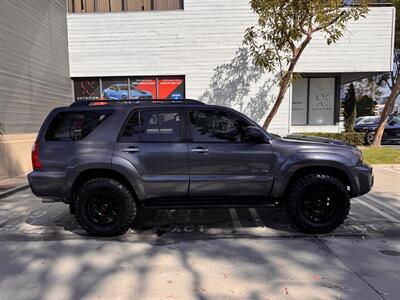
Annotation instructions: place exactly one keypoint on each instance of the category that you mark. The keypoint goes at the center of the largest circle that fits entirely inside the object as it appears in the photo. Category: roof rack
(133, 101)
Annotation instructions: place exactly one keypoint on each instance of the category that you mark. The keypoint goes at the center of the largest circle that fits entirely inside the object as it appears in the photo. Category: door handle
(199, 150)
(131, 150)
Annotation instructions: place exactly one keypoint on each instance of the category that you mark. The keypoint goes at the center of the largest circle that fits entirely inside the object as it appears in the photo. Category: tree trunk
(285, 82)
(386, 111)
(282, 91)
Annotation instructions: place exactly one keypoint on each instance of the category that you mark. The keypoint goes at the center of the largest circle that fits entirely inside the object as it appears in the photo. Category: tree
(365, 106)
(370, 87)
(392, 80)
(350, 109)
(286, 27)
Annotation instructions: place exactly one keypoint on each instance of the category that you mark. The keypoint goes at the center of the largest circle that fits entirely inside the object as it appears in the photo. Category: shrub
(349, 111)
(354, 138)
(365, 107)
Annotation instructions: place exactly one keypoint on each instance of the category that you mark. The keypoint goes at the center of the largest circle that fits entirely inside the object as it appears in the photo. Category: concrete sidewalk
(9, 186)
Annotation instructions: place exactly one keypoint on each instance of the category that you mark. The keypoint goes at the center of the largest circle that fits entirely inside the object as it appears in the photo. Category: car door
(392, 129)
(222, 163)
(152, 142)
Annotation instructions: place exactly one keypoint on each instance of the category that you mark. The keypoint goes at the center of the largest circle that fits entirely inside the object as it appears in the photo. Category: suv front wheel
(105, 207)
(318, 203)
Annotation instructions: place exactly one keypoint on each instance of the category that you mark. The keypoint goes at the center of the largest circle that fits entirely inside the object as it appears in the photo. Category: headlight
(357, 152)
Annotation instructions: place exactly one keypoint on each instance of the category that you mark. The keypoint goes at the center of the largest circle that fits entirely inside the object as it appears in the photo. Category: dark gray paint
(172, 170)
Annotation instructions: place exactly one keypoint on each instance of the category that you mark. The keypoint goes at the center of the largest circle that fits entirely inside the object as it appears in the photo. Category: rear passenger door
(152, 141)
(222, 163)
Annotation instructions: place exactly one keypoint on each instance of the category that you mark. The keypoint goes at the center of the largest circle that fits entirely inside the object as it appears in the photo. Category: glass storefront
(122, 88)
(313, 101)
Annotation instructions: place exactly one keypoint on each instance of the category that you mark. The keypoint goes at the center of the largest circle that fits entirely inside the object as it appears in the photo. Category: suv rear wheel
(105, 207)
(318, 203)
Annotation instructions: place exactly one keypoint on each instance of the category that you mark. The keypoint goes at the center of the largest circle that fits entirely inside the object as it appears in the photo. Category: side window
(74, 126)
(159, 126)
(216, 126)
(131, 130)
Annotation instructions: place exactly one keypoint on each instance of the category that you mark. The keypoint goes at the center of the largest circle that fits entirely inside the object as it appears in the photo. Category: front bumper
(365, 176)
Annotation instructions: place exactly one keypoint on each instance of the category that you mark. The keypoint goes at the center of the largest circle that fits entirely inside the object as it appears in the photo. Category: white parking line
(256, 217)
(392, 170)
(377, 210)
(373, 199)
(235, 219)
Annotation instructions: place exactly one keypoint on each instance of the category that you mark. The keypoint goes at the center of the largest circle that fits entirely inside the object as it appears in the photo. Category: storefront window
(171, 88)
(143, 88)
(313, 101)
(87, 89)
(115, 89)
(123, 88)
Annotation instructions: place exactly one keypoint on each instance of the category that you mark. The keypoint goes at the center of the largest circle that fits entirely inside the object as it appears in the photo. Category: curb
(13, 190)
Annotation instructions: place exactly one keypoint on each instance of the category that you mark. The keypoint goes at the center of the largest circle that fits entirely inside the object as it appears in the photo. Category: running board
(197, 204)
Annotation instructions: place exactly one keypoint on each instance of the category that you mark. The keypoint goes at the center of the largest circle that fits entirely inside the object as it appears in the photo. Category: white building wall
(203, 43)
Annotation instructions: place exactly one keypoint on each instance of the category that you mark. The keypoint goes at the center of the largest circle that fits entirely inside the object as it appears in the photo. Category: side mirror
(392, 123)
(254, 135)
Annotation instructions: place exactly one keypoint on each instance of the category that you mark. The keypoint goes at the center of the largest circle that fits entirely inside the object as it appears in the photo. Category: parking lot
(243, 253)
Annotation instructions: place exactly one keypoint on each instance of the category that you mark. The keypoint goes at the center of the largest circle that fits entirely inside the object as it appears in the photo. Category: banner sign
(171, 88)
(87, 89)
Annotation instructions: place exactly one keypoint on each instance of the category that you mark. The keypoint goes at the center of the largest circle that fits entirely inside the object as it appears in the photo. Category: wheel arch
(282, 188)
(89, 174)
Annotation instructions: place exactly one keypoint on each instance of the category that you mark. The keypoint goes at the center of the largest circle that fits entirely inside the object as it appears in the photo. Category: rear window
(74, 126)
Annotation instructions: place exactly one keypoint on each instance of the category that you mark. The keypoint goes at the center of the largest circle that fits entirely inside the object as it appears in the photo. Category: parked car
(359, 119)
(370, 124)
(120, 92)
(109, 160)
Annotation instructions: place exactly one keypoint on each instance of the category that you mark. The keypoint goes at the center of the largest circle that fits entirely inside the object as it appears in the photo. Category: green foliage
(284, 25)
(378, 155)
(365, 107)
(349, 109)
(354, 138)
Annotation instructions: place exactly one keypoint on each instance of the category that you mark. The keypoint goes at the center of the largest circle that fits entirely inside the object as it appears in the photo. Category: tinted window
(131, 131)
(216, 126)
(159, 126)
(74, 126)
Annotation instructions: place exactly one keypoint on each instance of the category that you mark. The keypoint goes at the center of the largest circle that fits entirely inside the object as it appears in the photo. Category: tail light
(36, 164)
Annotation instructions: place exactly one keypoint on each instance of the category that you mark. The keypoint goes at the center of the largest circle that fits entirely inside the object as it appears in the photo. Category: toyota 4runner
(111, 159)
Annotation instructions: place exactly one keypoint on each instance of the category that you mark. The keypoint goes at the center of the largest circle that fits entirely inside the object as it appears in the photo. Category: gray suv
(111, 159)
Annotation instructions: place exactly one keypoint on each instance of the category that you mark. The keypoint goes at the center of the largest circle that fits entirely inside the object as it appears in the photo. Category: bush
(365, 107)
(349, 111)
(354, 138)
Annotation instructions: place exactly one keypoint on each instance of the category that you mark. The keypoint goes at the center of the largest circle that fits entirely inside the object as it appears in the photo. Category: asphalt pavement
(244, 253)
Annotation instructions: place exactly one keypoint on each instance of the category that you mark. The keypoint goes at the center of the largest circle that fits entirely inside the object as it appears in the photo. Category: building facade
(55, 52)
(34, 75)
(194, 49)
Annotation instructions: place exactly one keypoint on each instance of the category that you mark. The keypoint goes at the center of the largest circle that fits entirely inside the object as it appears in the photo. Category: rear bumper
(49, 184)
(365, 177)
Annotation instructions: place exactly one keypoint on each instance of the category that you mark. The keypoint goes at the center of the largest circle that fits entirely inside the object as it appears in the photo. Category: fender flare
(294, 164)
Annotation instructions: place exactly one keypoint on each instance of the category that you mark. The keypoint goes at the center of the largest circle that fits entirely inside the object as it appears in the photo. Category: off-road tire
(127, 207)
(298, 193)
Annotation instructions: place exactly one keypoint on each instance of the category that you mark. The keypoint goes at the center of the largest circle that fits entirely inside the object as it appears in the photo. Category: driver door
(222, 163)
